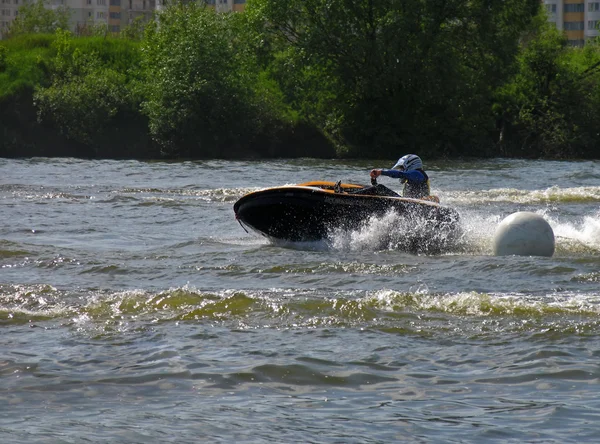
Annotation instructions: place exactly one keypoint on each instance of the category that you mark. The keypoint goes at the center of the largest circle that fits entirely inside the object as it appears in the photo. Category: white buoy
(524, 234)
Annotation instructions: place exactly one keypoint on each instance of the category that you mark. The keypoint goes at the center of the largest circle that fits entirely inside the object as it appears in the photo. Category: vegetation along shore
(311, 79)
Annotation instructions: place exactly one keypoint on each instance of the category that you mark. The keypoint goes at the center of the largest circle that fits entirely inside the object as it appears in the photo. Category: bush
(91, 86)
(23, 63)
(551, 108)
(204, 93)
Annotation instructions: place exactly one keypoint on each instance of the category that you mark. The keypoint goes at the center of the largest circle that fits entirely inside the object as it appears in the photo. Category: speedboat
(311, 211)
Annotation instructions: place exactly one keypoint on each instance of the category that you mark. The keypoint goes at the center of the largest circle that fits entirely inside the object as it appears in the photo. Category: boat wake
(571, 238)
(583, 237)
(392, 231)
(554, 195)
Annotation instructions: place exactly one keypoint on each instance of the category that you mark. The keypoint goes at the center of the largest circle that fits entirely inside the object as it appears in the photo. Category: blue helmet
(408, 163)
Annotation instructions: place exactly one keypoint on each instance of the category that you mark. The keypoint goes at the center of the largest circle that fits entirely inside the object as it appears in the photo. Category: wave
(148, 194)
(582, 237)
(554, 195)
(209, 195)
(415, 312)
(29, 193)
(9, 250)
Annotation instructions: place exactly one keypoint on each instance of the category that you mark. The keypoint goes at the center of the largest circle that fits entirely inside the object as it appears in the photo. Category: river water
(134, 308)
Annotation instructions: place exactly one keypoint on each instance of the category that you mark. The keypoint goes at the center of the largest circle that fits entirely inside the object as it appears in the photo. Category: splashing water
(578, 237)
(396, 232)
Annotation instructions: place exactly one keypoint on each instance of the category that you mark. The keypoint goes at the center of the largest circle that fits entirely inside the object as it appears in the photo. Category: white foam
(586, 232)
(392, 232)
(553, 194)
(479, 231)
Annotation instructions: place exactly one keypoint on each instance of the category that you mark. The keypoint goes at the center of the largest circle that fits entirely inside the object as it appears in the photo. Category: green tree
(38, 17)
(205, 95)
(3, 58)
(551, 107)
(87, 91)
(135, 30)
(392, 73)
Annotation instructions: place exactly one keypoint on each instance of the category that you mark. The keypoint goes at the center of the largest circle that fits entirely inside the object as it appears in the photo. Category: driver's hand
(375, 173)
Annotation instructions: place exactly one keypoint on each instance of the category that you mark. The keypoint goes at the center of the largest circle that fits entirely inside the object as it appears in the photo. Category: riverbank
(244, 91)
(127, 137)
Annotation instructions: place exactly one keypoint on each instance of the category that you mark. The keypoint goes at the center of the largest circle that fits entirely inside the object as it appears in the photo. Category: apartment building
(230, 5)
(9, 9)
(578, 19)
(117, 14)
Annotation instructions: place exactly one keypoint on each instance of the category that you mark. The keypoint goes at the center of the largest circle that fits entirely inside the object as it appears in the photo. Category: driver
(409, 169)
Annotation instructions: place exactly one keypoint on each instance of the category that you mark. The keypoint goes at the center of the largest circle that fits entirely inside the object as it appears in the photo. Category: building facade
(116, 14)
(9, 9)
(578, 19)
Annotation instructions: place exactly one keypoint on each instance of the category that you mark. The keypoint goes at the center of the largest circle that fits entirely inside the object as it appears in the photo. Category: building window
(574, 7)
(115, 15)
(593, 6)
(592, 24)
(115, 2)
(551, 9)
(574, 26)
(115, 28)
(101, 2)
(100, 14)
(239, 2)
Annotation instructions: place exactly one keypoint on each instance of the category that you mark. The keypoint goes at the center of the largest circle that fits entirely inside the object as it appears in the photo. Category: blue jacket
(416, 182)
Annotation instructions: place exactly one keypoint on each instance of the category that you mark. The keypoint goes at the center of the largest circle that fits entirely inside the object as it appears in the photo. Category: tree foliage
(38, 17)
(393, 73)
(379, 77)
(87, 91)
(204, 92)
(551, 107)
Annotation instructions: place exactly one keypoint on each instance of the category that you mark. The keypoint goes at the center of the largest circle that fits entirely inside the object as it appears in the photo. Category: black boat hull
(309, 213)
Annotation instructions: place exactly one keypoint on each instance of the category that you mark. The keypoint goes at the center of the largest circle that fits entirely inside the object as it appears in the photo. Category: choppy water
(134, 308)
